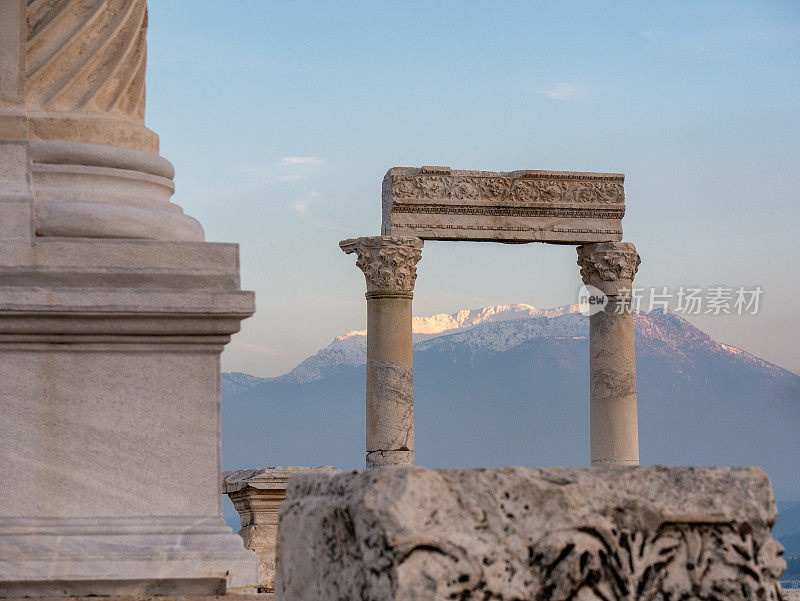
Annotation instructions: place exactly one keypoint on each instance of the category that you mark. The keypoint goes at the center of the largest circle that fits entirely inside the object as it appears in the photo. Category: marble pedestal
(110, 426)
(109, 358)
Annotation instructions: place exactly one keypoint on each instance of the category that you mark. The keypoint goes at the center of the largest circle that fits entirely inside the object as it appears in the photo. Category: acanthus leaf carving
(608, 262)
(703, 562)
(388, 262)
(503, 188)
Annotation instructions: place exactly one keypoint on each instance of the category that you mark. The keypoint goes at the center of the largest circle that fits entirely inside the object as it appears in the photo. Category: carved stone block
(525, 533)
(563, 207)
(257, 495)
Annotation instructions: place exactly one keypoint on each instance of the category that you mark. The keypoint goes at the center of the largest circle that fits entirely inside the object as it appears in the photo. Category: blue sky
(282, 117)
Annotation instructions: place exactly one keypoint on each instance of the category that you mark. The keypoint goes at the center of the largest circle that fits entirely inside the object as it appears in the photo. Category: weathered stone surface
(525, 533)
(611, 267)
(85, 71)
(389, 266)
(439, 203)
(388, 262)
(133, 596)
(390, 406)
(378, 459)
(257, 495)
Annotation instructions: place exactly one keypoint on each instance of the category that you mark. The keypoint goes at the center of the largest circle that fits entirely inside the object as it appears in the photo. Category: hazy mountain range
(508, 385)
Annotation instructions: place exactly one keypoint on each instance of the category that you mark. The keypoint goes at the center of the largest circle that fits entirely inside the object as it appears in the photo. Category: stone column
(257, 495)
(611, 267)
(113, 315)
(389, 265)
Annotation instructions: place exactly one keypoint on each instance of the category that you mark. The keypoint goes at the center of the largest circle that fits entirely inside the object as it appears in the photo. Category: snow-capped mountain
(351, 349)
(498, 328)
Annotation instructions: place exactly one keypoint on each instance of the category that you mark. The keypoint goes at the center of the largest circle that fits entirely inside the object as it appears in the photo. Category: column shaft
(612, 380)
(390, 389)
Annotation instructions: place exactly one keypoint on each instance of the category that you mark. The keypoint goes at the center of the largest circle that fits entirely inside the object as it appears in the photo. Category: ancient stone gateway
(439, 203)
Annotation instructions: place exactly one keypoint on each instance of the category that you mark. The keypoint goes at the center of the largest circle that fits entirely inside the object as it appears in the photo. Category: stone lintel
(530, 533)
(562, 207)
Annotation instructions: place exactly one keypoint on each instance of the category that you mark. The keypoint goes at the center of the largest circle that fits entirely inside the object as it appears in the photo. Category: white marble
(113, 314)
(389, 266)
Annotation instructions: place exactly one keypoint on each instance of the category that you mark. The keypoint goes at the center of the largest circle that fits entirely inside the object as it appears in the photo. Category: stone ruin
(439, 203)
(113, 314)
(600, 533)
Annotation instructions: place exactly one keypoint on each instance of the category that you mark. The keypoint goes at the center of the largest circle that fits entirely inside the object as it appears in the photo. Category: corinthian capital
(609, 266)
(388, 262)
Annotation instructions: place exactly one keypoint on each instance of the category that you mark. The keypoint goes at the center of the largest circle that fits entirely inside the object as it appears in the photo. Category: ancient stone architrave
(257, 495)
(610, 267)
(557, 534)
(388, 262)
(439, 203)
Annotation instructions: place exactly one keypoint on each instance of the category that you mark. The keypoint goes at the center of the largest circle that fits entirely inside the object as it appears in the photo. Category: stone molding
(388, 262)
(610, 266)
(60, 553)
(257, 495)
(529, 186)
(521, 206)
(554, 534)
(99, 191)
(265, 478)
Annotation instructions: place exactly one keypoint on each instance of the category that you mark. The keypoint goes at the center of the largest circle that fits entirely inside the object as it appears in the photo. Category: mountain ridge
(515, 324)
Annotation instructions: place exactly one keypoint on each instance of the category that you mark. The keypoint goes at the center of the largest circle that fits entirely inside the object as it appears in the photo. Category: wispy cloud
(287, 169)
(294, 161)
(302, 206)
(563, 90)
(649, 35)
